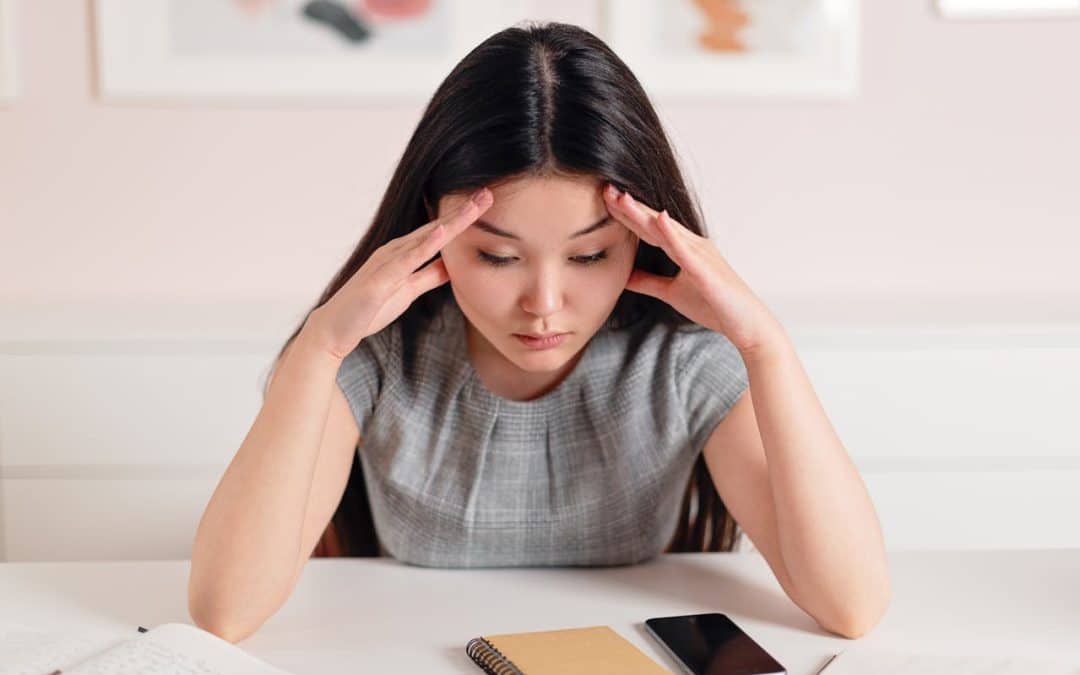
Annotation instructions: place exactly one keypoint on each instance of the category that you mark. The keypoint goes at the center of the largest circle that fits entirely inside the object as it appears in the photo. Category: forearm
(248, 540)
(829, 535)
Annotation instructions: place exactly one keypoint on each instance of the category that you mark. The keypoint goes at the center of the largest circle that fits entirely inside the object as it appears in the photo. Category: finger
(677, 246)
(644, 235)
(680, 229)
(662, 226)
(438, 237)
(634, 217)
(424, 242)
(399, 296)
(431, 276)
(408, 261)
(461, 221)
(647, 283)
(409, 240)
(470, 210)
(631, 221)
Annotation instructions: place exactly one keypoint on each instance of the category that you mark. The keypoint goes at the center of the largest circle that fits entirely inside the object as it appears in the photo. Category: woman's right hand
(388, 282)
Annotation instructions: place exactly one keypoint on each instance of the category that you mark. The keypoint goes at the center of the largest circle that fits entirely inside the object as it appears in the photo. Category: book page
(36, 652)
(862, 659)
(175, 649)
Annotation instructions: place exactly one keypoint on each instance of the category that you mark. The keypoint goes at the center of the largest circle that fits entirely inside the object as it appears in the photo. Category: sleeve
(710, 377)
(361, 377)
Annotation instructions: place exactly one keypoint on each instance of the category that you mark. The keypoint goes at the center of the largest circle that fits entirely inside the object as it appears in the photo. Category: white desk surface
(378, 615)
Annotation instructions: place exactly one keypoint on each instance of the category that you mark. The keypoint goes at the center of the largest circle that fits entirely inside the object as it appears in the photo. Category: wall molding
(958, 425)
(868, 465)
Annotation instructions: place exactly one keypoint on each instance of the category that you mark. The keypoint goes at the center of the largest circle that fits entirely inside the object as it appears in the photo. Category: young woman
(595, 385)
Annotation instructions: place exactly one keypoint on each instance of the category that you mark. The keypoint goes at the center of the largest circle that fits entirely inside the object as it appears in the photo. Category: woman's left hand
(706, 289)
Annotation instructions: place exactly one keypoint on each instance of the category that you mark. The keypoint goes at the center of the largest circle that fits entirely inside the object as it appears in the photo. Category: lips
(539, 336)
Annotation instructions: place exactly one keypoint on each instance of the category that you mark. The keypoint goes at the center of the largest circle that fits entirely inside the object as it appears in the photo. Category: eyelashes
(583, 260)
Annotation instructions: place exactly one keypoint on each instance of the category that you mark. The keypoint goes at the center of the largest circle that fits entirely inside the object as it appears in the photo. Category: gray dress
(591, 473)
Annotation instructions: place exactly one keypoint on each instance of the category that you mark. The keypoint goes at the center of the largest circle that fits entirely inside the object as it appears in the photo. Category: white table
(379, 616)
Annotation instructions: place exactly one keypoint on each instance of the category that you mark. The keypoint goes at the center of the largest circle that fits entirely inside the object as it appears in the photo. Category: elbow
(851, 627)
(856, 619)
(228, 631)
(226, 611)
(214, 621)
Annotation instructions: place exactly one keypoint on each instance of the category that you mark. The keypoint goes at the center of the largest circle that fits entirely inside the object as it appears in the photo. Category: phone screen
(711, 644)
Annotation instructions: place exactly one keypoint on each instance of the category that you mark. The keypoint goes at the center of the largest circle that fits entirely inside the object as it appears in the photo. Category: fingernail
(611, 191)
(479, 196)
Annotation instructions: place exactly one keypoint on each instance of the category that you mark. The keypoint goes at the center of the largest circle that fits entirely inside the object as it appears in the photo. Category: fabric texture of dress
(590, 473)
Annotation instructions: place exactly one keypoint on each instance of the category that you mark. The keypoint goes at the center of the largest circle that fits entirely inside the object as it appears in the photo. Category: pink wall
(952, 176)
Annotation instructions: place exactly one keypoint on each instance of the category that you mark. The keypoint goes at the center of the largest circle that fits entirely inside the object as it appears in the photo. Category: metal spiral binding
(490, 659)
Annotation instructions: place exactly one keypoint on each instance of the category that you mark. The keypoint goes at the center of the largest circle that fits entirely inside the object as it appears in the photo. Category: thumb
(655, 285)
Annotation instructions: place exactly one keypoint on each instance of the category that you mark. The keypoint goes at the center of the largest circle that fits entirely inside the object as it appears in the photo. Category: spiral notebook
(591, 650)
(168, 649)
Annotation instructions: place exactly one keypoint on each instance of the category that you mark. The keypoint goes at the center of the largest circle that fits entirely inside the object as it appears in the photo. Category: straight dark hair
(535, 99)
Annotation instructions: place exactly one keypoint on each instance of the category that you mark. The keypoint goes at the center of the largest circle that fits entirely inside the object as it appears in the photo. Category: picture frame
(687, 49)
(1007, 9)
(153, 50)
(9, 83)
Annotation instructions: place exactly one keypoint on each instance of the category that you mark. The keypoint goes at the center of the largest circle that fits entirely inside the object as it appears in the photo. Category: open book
(168, 649)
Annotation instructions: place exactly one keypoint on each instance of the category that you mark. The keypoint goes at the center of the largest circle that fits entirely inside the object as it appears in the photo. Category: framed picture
(288, 49)
(1007, 9)
(8, 80)
(738, 48)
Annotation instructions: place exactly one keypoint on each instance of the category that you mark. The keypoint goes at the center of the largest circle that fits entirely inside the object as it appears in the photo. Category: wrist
(312, 341)
(772, 343)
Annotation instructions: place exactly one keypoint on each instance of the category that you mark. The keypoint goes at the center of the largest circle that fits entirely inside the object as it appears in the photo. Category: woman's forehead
(532, 191)
(553, 208)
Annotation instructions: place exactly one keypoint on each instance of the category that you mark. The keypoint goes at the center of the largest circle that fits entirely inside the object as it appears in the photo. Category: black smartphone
(711, 644)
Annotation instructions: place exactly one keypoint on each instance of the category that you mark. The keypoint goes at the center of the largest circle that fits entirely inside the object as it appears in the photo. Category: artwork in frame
(738, 48)
(1007, 9)
(288, 49)
(8, 80)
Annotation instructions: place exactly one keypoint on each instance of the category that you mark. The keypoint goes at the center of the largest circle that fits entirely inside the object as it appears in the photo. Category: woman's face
(520, 268)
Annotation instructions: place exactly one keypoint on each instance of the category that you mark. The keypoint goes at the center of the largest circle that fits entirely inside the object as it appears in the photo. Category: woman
(540, 184)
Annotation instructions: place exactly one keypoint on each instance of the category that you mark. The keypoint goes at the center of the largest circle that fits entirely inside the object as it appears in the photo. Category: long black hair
(535, 99)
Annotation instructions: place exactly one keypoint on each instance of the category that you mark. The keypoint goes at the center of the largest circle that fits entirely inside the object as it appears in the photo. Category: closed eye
(497, 261)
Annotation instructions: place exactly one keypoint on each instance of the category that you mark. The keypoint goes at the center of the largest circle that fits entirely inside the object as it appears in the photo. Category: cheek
(466, 277)
(458, 265)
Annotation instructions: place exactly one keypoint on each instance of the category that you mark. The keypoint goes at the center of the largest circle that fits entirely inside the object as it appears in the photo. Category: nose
(544, 296)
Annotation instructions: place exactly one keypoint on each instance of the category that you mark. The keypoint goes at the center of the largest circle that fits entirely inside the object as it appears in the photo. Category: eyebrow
(491, 229)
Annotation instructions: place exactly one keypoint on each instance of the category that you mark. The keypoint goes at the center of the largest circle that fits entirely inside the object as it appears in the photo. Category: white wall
(115, 427)
(919, 242)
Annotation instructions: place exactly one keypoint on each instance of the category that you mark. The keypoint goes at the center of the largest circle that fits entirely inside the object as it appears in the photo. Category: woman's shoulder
(680, 344)
(693, 342)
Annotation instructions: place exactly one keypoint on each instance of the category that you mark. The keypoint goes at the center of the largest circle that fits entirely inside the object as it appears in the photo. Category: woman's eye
(492, 259)
(497, 261)
(590, 259)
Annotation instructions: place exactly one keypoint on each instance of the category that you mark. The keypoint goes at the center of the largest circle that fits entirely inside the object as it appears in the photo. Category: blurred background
(179, 181)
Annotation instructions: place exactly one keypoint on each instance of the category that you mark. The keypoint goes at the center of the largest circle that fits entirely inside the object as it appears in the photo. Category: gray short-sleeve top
(591, 473)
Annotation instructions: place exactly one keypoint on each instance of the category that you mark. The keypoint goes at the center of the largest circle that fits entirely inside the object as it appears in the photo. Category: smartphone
(711, 644)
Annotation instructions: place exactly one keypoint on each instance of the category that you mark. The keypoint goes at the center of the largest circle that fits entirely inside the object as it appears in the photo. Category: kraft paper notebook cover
(592, 650)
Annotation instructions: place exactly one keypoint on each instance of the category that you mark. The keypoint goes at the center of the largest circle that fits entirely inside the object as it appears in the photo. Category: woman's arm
(775, 459)
(787, 480)
(244, 559)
